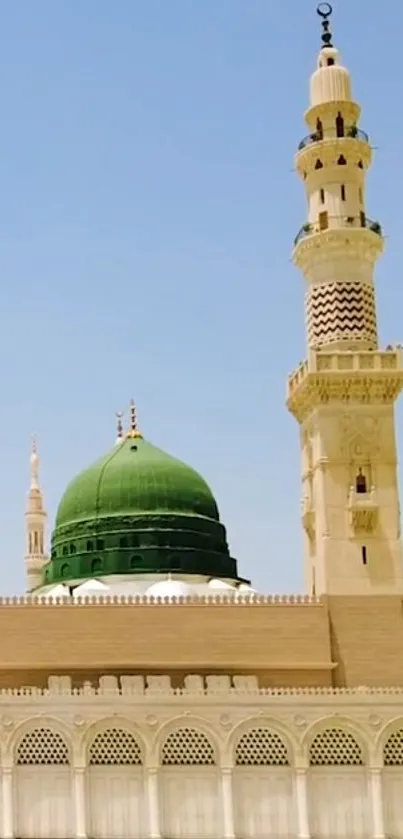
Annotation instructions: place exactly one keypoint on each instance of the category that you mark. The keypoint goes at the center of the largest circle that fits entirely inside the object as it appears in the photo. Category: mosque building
(147, 691)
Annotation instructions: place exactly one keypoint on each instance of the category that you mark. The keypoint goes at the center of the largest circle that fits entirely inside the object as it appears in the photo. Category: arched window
(187, 747)
(72, 548)
(100, 544)
(360, 482)
(135, 561)
(339, 125)
(42, 747)
(360, 164)
(261, 747)
(65, 570)
(342, 160)
(90, 545)
(393, 749)
(335, 747)
(123, 542)
(319, 129)
(96, 565)
(65, 550)
(318, 164)
(135, 540)
(115, 747)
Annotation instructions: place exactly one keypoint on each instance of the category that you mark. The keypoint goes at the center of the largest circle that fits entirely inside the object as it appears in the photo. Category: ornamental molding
(359, 437)
(362, 244)
(374, 378)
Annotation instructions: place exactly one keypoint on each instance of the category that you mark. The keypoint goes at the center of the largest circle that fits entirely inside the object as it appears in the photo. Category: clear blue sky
(147, 211)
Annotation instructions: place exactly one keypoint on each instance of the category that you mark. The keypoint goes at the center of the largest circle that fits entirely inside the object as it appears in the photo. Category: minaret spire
(35, 519)
(324, 11)
(343, 395)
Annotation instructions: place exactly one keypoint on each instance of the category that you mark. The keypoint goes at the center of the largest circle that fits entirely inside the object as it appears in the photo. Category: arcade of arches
(117, 787)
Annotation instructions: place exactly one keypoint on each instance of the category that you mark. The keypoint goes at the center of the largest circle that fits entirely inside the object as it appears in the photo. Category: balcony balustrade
(338, 223)
(350, 131)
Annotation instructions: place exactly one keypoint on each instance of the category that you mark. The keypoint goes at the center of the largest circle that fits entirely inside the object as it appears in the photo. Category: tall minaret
(343, 395)
(35, 518)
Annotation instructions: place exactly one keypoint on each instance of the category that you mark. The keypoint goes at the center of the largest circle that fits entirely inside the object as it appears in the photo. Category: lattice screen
(42, 747)
(115, 747)
(393, 749)
(261, 747)
(187, 747)
(335, 747)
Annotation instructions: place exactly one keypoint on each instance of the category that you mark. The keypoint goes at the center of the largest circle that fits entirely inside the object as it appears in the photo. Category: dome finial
(133, 431)
(324, 11)
(119, 426)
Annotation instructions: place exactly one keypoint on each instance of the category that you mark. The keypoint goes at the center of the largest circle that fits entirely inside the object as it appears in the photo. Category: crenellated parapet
(228, 687)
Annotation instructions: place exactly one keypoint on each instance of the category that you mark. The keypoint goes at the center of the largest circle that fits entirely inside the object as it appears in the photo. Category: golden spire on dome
(133, 432)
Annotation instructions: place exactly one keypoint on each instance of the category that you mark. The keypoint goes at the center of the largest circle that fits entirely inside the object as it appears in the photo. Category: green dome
(138, 510)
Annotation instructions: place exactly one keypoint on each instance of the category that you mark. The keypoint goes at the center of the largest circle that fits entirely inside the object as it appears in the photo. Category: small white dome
(90, 587)
(219, 584)
(169, 588)
(244, 590)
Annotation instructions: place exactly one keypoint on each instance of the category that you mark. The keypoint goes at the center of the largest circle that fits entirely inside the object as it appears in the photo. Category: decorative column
(378, 826)
(301, 796)
(79, 802)
(227, 802)
(153, 803)
(7, 799)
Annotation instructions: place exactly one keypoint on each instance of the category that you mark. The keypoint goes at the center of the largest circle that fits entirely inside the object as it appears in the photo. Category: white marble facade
(214, 758)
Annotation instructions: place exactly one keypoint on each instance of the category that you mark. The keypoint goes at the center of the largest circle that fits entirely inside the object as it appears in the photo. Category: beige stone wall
(344, 641)
(268, 636)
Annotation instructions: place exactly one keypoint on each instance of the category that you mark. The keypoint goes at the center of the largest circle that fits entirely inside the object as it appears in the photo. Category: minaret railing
(337, 222)
(350, 131)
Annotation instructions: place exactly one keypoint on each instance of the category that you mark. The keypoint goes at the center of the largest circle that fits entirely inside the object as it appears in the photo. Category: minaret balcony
(344, 377)
(341, 223)
(363, 510)
(351, 132)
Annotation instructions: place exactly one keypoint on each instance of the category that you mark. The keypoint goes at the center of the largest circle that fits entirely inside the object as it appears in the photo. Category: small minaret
(343, 395)
(35, 518)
